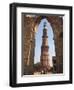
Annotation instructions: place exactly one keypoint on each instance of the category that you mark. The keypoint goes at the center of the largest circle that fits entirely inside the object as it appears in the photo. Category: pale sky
(38, 40)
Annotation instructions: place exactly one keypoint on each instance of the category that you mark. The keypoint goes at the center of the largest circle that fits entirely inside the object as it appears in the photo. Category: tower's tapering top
(44, 24)
(45, 31)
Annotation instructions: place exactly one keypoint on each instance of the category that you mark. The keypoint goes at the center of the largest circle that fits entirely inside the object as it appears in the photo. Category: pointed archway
(57, 26)
(29, 27)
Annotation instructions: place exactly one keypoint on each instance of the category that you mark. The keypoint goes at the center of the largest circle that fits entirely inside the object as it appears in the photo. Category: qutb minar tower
(44, 59)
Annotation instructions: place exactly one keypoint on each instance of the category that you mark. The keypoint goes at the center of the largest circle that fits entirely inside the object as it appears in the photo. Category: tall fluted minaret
(45, 50)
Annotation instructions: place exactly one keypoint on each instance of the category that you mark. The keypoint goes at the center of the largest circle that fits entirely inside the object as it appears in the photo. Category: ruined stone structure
(29, 28)
(45, 65)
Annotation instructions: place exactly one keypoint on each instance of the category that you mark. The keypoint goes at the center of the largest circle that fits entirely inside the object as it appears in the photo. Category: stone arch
(30, 24)
(57, 27)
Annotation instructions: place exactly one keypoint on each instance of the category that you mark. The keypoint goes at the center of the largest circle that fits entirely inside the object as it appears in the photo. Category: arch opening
(32, 42)
(38, 41)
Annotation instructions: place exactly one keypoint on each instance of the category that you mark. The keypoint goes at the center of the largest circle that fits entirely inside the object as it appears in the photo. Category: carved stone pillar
(28, 44)
(58, 38)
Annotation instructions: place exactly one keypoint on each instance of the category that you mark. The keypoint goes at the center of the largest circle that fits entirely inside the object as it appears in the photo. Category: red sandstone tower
(45, 51)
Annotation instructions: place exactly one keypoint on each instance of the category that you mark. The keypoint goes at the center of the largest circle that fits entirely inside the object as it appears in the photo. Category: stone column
(58, 32)
(28, 44)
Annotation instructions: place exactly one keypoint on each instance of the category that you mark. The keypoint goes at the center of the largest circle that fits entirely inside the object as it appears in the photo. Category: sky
(38, 40)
